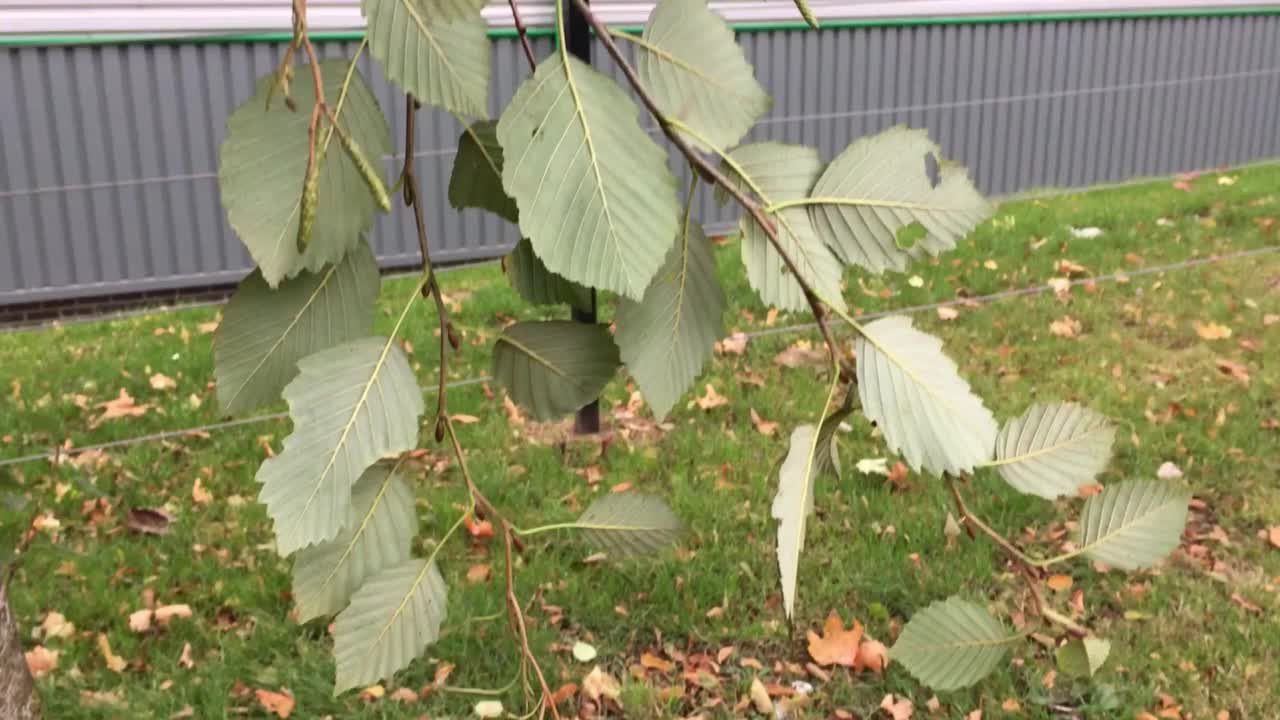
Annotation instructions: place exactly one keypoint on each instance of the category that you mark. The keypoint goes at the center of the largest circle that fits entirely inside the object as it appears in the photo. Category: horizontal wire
(59, 453)
(949, 105)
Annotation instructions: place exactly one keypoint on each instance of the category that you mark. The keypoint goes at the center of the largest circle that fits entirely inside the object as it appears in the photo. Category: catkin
(310, 199)
(367, 171)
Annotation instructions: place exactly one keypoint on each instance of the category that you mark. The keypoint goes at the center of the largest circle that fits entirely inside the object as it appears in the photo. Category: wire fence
(59, 453)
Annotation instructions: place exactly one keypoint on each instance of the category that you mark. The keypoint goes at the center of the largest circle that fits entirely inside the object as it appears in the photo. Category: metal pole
(579, 44)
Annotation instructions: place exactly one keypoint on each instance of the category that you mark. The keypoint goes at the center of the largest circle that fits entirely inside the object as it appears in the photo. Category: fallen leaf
(599, 684)
(735, 344)
(933, 704)
(205, 328)
(1168, 471)
(515, 416)
(1059, 583)
(122, 406)
(100, 698)
(140, 621)
(1067, 327)
(801, 354)
(649, 661)
(873, 466)
(760, 697)
(160, 381)
(150, 521)
(478, 529)
(771, 317)
(1273, 536)
(900, 709)
(279, 703)
(872, 655)
(584, 652)
(1226, 180)
(1061, 287)
(488, 709)
(898, 474)
(1237, 371)
(1244, 604)
(373, 692)
(463, 419)
(991, 265)
(948, 313)
(165, 613)
(836, 646)
(711, 399)
(1270, 319)
(55, 625)
(1212, 331)
(762, 426)
(478, 573)
(199, 495)
(404, 695)
(41, 661)
(184, 659)
(1011, 705)
(115, 663)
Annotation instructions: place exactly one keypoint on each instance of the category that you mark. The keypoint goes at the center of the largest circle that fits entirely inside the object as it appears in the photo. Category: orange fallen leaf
(199, 495)
(122, 406)
(1212, 331)
(872, 655)
(650, 661)
(279, 703)
(140, 621)
(711, 399)
(1011, 705)
(1067, 327)
(735, 344)
(160, 381)
(764, 427)
(478, 573)
(165, 613)
(836, 646)
(898, 475)
(900, 709)
(1059, 583)
(1273, 536)
(1244, 604)
(1234, 369)
(514, 415)
(185, 660)
(801, 354)
(563, 693)
(115, 663)
(599, 684)
(621, 487)
(41, 661)
(404, 695)
(478, 528)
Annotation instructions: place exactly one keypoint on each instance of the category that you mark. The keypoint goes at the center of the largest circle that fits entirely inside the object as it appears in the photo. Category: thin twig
(967, 517)
(517, 619)
(524, 34)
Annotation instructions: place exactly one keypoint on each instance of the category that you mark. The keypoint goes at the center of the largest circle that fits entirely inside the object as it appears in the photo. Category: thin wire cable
(60, 452)
(869, 112)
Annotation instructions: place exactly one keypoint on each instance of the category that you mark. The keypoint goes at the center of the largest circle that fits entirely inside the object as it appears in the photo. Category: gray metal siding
(108, 154)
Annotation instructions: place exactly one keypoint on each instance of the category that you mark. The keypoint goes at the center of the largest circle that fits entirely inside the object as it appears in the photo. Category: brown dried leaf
(900, 709)
(165, 613)
(948, 312)
(836, 646)
(1067, 327)
(1212, 331)
(279, 703)
(872, 655)
(122, 406)
(649, 661)
(199, 495)
(762, 426)
(1235, 370)
(160, 381)
(41, 661)
(711, 399)
(150, 521)
(115, 663)
(735, 344)
(801, 354)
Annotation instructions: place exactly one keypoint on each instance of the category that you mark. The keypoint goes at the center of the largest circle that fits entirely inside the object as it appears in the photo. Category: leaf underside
(629, 524)
(351, 405)
(436, 50)
(1133, 524)
(951, 644)
(263, 161)
(264, 332)
(555, 367)
(1051, 450)
(667, 337)
(594, 192)
(538, 285)
(915, 394)
(779, 173)
(792, 506)
(697, 73)
(880, 185)
(394, 616)
(476, 179)
(383, 522)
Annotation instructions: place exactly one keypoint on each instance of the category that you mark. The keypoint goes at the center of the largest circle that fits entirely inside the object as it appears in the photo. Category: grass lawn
(1200, 633)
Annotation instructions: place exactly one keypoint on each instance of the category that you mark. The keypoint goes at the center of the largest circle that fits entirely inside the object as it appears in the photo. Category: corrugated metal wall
(108, 153)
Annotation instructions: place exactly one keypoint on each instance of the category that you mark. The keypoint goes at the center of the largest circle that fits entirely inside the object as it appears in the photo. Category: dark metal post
(579, 44)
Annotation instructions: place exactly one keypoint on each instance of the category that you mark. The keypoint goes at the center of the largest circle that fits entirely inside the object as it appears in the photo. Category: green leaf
(690, 62)
(351, 405)
(628, 524)
(263, 161)
(436, 50)
(390, 621)
(666, 338)
(915, 394)
(596, 197)
(1051, 450)
(776, 173)
(476, 181)
(827, 454)
(880, 185)
(553, 368)
(265, 332)
(951, 644)
(382, 524)
(1083, 657)
(793, 505)
(1133, 524)
(538, 285)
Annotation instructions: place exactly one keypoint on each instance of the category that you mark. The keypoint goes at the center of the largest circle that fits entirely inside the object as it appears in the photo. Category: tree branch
(524, 35)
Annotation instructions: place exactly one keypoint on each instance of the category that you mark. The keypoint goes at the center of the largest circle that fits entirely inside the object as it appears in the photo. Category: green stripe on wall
(355, 35)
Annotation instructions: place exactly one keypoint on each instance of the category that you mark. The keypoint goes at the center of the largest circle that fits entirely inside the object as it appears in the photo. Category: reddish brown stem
(524, 35)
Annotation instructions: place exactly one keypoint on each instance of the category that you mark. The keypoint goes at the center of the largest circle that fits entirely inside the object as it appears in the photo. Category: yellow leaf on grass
(1059, 582)
(1212, 331)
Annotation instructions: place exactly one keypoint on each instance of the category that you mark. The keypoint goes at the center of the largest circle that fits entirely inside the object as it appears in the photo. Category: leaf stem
(967, 517)
(523, 33)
